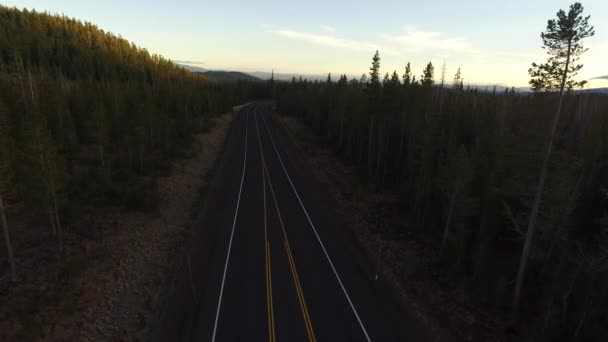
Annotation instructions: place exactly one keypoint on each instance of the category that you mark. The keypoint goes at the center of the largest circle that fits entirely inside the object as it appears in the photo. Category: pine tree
(374, 71)
(563, 41)
(374, 99)
(395, 78)
(407, 76)
(457, 85)
(428, 79)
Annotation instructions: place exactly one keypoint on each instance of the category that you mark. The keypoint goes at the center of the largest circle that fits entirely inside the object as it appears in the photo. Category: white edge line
(316, 234)
(238, 201)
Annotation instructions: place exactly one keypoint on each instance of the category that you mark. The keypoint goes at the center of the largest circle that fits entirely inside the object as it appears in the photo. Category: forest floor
(409, 256)
(108, 286)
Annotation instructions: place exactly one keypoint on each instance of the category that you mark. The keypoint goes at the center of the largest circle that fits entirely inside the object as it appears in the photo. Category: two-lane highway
(271, 261)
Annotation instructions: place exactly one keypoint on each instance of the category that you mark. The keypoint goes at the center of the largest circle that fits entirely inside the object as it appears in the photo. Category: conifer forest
(465, 164)
(509, 184)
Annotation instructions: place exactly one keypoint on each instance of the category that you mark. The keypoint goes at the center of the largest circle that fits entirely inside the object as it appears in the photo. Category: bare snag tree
(563, 42)
(5, 179)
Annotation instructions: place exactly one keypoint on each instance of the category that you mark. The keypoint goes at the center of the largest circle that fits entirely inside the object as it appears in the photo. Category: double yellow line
(292, 265)
(270, 308)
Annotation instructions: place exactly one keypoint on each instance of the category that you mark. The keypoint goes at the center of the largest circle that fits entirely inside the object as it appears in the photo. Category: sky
(493, 42)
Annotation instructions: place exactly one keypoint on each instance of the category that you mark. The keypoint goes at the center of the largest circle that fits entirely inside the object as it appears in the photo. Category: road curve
(270, 260)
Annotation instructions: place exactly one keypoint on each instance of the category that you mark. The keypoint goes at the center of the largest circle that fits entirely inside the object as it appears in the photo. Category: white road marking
(316, 234)
(238, 201)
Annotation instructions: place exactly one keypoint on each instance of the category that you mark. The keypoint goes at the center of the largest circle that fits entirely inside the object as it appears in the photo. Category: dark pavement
(271, 260)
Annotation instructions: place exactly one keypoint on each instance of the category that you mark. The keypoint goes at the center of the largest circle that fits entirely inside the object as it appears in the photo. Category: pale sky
(494, 42)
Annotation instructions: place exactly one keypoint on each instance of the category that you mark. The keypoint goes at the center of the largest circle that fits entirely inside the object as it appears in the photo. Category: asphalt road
(271, 260)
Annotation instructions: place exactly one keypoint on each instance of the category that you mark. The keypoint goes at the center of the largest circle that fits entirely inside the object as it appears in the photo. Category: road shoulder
(121, 294)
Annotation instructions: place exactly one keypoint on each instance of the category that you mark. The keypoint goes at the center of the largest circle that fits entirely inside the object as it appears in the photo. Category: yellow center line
(294, 273)
(271, 327)
(292, 265)
(269, 306)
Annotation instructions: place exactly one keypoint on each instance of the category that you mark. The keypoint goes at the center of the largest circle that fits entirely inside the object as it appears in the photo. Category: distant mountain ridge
(230, 75)
(599, 91)
(220, 75)
(191, 68)
(264, 75)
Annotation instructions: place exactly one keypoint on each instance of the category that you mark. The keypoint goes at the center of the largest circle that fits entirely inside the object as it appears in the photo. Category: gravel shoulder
(116, 292)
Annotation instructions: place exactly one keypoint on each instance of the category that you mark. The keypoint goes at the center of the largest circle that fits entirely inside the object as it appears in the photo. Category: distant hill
(221, 75)
(78, 50)
(598, 91)
(192, 68)
(229, 75)
(527, 90)
(264, 75)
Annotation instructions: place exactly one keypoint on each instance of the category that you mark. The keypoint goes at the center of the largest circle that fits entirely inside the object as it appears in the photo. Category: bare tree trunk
(101, 156)
(380, 137)
(47, 169)
(52, 221)
(446, 230)
(402, 136)
(567, 211)
(329, 126)
(341, 127)
(401, 159)
(7, 237)
(208, 101)
(61, 129)
(581, 321)
(57, 223)
(441, 100)
(537, 198)
(59, 114)
(361, 148)
(370, 160)
(547, 317)
(141, 150)
(566, 296)
(29, 75)
(21, 81)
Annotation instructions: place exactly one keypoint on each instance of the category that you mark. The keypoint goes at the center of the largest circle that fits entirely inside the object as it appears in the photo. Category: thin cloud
(414, 40)
(331, 40)
(600, 78)
(328, 28)
(432, 44)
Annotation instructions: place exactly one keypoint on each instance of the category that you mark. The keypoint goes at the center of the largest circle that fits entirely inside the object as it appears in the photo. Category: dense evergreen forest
(88, 119)
(465, 164)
